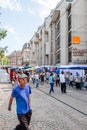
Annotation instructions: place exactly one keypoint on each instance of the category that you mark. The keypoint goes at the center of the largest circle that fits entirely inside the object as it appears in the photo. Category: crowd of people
(61, 79)
(24, 80)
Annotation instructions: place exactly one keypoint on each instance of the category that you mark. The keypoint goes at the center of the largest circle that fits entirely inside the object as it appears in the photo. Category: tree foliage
(3, 33)
(5, 60)
(2, 53)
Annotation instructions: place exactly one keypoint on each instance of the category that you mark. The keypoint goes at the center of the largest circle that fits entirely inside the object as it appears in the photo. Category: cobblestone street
(43, 65)
(50, 112)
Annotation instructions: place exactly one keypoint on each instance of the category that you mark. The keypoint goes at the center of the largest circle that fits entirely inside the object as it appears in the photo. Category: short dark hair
(51, 74)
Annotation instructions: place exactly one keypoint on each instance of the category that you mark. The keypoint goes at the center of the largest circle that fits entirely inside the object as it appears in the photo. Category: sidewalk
(7, 119)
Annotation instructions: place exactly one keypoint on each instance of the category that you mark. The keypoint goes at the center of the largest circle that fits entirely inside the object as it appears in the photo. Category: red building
(15, 58)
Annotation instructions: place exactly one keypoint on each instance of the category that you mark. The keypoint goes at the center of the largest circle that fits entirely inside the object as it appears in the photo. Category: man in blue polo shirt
(22, 93)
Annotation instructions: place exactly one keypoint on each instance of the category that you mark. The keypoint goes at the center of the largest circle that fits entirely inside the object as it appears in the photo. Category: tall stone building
(25, 54)
(71, 40)
(62, 39)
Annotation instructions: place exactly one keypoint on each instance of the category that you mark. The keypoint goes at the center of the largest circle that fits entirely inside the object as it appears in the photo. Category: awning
(30, 69)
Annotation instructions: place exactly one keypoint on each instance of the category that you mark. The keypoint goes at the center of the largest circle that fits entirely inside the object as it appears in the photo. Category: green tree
(3, 33)
(5, 60)
(2, 53)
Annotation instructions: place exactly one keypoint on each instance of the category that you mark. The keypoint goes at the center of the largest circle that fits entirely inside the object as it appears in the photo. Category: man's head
(21, 78)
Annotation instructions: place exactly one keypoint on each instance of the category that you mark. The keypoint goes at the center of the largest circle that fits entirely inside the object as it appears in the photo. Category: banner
(75, 39)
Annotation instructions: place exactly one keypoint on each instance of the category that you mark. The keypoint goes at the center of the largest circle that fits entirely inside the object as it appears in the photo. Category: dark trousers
(71, 83)
(57, 83)
(78, 85)
(24, 120)
(63, 87)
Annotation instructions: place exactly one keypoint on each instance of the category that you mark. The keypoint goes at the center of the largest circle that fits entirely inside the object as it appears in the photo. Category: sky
(22, 18)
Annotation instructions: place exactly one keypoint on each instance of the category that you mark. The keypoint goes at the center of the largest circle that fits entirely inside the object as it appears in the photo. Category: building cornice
(55, 16)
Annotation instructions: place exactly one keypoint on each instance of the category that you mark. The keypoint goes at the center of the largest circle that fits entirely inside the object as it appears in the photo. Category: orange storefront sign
(75, 40)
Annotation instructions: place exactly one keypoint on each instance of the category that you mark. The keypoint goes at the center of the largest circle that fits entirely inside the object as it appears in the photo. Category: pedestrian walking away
(62, 82)
(78, 81)
(51, 83)
(71, 79)
(22, 93)
(37, 79)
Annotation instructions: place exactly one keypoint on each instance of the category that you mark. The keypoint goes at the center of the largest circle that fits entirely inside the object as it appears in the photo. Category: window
(58, 25)
(45, 48)
(69, 11)
(51, 39)
(51, 59)
(69, 27)
(69, 38)
(58, 28)
(51, 32)
(58, 57)
(69, 56)
(58, 43)
(58, 33)
(69, 22)
(46, 37)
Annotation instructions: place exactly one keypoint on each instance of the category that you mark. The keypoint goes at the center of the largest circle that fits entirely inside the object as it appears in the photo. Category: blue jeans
(51, 87)
(37, 83)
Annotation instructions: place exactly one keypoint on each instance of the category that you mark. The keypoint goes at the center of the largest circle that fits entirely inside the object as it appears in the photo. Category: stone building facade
(25, 54)
(62, 38)
(15, 58)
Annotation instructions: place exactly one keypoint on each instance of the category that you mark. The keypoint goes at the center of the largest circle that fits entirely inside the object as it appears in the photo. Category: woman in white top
(62, 82)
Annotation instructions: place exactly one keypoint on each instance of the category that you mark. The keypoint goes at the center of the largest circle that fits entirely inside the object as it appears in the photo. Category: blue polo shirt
(22, 98)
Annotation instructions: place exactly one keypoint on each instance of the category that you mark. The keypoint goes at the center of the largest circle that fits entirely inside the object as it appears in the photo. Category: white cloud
(31, 11)
(12, 40)
(10, 29)
(11, 4)
(46, 6)
(12, 32)
(50, 4)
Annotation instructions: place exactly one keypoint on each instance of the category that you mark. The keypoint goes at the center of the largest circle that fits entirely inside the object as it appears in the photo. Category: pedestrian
(84, 81)
(71, 80)
(47, 77)
(37, 79)
(31, 80)
(42, 75)
(51, 83)
(57, 80)
(62, 82)
(29, 85)
(22, 93)
(78, 81)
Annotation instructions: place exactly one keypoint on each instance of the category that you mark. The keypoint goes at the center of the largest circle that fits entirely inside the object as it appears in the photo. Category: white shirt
(62, 78)
(37, 76)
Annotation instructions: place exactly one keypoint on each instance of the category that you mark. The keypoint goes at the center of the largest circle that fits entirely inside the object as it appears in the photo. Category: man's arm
(10, 103)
